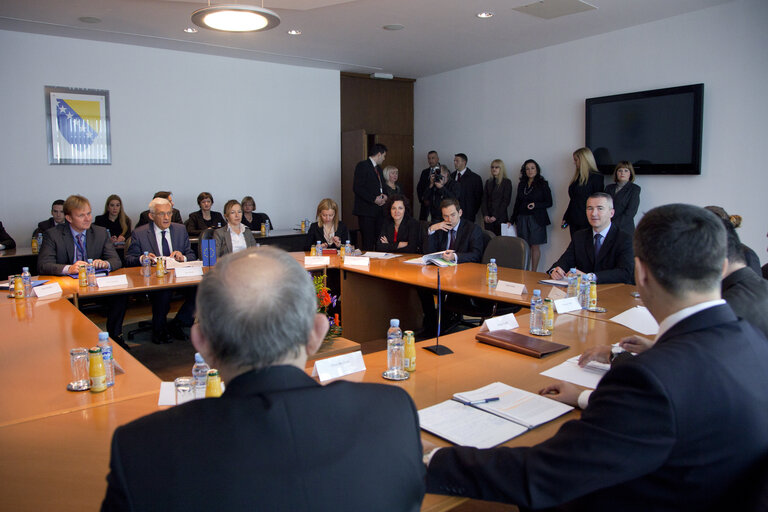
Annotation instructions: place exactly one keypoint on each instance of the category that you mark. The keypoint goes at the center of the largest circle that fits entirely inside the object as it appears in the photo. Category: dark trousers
(370, 229)
(161, 304)
(116, 306)
(424, 211)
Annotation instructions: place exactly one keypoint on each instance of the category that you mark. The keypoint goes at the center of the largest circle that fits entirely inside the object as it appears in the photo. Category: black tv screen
(658, 131)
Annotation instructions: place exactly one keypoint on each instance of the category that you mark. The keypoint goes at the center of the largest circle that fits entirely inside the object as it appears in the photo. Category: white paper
(47, 289)
(188, 271)
(570, 371)
(466, 426)
(167, 394)
(109, 281)
(499, 323)
(358, 261)
(556, 293)
(638, 319)
(508, 229)
(380, 255)
(314, 261)
(511, 288)
(172, 263)
(338, 366)
(567, 305)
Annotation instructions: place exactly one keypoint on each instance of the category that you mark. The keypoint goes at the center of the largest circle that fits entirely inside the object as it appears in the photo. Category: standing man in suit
(679, 427)
(603, 249)
(368, 186)
(163, 238)
(426, 183)
(71, 244)
(470, 187)
(56, 218)
(165, 194)
(276, 439)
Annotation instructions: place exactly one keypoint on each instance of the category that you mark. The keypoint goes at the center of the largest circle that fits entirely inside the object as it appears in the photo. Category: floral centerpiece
(326, 301)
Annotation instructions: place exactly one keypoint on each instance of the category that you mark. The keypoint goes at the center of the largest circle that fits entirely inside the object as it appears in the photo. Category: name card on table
(317, 261)
(358, 261)
(500, 323)
(338, 366)
(556, 293)
(47, 289)
(189, 271)
(112, 281)
(511, 288)
(567, 305)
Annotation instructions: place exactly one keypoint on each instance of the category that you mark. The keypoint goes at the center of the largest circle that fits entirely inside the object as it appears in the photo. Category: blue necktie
(598, 244)
(80, 256)
(452, 239)
(166, 248)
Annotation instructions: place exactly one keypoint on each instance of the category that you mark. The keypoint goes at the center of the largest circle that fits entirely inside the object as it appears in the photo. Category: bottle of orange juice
(213, 384)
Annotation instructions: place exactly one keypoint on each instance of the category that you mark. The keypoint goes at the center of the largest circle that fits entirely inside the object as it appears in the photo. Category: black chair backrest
(487, 237)
(509, 252)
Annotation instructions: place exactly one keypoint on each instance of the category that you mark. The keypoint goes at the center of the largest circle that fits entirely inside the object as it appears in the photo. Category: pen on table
(482, 401)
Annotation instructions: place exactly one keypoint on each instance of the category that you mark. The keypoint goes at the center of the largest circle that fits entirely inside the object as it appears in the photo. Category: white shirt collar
(681, 315)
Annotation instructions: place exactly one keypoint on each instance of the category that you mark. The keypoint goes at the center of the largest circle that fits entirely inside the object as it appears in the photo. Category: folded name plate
(110, 281)
(521, 343)
(334, 367)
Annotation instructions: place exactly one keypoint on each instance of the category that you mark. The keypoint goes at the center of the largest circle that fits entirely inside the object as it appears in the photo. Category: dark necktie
(166, 248)
(80, 256)
(452, 239)
(458, 176)
(598, 244)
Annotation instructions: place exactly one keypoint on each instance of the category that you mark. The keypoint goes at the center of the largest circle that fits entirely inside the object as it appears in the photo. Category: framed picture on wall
(78, 126)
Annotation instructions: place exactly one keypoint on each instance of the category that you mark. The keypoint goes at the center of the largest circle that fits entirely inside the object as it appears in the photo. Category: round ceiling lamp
(235, 18)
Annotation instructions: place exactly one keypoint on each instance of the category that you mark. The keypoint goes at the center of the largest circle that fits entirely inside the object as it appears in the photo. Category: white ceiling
(347, 35)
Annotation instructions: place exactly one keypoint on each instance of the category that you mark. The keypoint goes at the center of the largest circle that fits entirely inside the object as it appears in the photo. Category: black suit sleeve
(6, 239)
(133, 253)
(109, 254)
(567, 261)
(622, 262)
(474, 249)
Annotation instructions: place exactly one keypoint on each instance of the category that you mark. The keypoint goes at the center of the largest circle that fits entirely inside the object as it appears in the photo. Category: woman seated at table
(391, 174)
(204, 218)
(115, 220)
(251, 218)
(235, 236)
(328, 229)
(6, 241)
(401, 232)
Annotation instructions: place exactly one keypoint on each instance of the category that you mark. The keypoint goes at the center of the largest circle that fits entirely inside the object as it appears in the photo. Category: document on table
(554, 282)
(570, 371)
(638, 319)
(381, 255)
(466, 426)
(432, 259)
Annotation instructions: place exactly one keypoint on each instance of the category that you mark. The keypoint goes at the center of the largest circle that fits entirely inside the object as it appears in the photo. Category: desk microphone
(437, 349)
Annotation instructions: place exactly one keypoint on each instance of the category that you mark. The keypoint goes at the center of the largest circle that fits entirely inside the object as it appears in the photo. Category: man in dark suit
(604, 249)
(163, 238)
(276, 439)
(679, 427)
(470, 187)
(164, 194)
(368, 186)
(426, 183)
(69, 245)
(56, 218)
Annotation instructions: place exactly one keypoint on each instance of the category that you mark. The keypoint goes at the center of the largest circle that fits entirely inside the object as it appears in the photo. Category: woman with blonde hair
(626, 196)
(390, 174)
(497, 194)
(327, 228)
(115, 219)
(586, 181)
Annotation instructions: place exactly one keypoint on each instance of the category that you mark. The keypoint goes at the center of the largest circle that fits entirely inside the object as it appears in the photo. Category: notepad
(518, 342)
(434, 258)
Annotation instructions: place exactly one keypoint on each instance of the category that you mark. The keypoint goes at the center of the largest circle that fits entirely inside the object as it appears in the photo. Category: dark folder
(522, 343)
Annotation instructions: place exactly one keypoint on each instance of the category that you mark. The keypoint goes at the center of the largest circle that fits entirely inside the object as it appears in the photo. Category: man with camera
(441, 187)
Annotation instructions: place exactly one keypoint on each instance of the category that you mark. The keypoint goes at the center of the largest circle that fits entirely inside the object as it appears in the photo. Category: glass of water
(78, 361)
(185, 389)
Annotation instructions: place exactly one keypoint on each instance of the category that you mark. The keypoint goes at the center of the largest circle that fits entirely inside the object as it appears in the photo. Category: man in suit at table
(56, 218)
(72, 243)
(163, 238)
(603, 249)
(368, 186)
(678, 427)
(276, 439)
(426, 183)
(470, 187)
(165, 194)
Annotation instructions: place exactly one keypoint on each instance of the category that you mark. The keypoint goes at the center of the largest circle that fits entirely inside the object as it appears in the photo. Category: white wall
(532, 106)
(180, 121)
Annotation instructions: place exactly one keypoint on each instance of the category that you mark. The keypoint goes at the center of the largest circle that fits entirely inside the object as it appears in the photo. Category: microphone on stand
(437, 349)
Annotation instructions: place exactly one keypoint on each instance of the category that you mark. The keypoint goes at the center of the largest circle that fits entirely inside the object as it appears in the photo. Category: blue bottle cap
(199, 358)
(103, 336)
(395, 322)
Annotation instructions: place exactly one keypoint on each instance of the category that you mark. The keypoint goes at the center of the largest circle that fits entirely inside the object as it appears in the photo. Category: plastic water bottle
(146, 265)
(39, 241)
(26, 281)
(90, 273)
(319, 248)
(106, 354)
(269, 227)
(537, 319)
(395, 352)
(584, 291)
(348, 249)
(573, 284)
(200, 374)
(492, 274)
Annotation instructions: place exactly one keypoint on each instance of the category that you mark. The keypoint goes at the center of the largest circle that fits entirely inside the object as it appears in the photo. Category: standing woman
(586, 181)
(497, 194)
(401, 232)
(204, 218)
(235, 236)
(626, 196)
(115, 219)
(328, 229)
(391, 187)
(530, 211)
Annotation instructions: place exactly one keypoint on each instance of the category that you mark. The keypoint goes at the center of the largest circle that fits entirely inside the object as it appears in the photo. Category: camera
(437, 175)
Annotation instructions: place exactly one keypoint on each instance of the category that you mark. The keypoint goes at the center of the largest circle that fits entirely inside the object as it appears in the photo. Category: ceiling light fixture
(235, 18)
(485, 15)
(190, 30)
(294, 32)
(394, 26)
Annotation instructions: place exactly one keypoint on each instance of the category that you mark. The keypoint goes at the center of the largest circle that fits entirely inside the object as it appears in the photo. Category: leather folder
(517, 342)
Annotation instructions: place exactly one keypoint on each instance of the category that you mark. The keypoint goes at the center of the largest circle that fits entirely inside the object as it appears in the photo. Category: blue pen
(483, 401)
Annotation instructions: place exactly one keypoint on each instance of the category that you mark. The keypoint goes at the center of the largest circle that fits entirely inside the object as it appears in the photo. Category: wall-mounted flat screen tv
(658, 131)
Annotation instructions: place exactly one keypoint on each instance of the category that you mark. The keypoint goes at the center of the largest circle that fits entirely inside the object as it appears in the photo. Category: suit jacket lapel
(152, 239)
(610, 239)
(69, 244)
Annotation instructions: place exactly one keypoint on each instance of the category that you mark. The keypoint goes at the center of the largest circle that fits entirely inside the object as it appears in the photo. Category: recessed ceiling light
(294, 32)
(235, 18)
(394, 26)
(89, 19)
(485, 14)
(190, 30)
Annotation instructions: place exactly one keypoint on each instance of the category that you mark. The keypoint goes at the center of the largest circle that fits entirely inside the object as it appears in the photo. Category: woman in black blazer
(328, 229)
(204, 218)
(586, 181)
(252, 219)
(497, 194)
(115, 220)
(626, 196)
(401, 232)
(530, 211)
